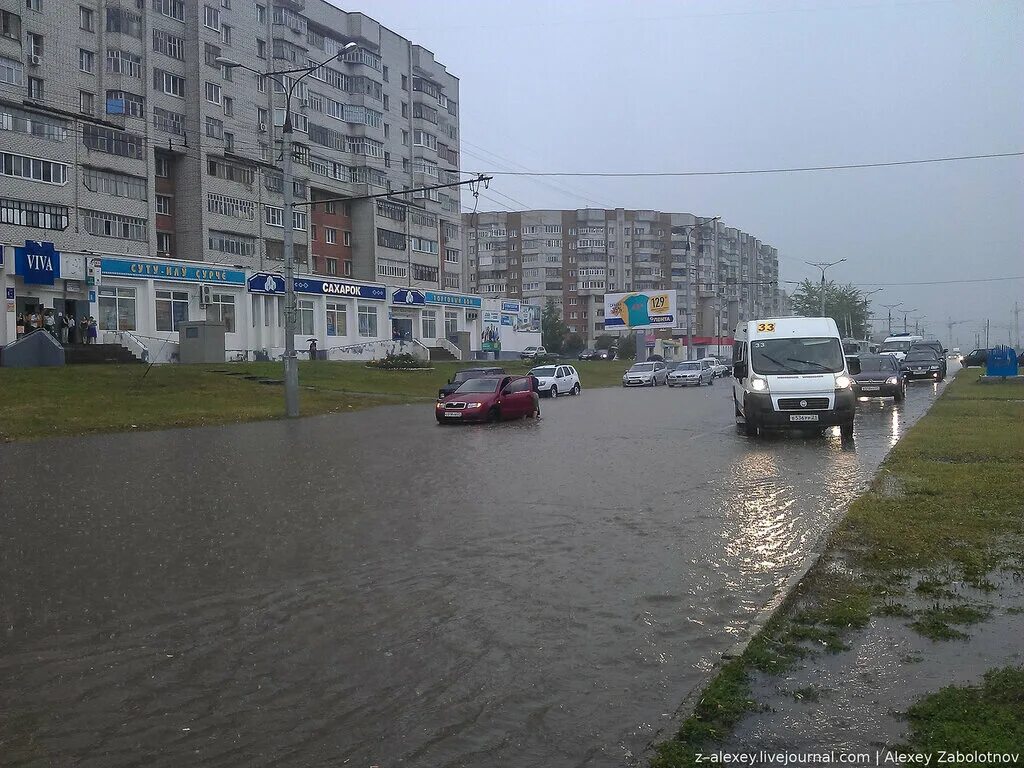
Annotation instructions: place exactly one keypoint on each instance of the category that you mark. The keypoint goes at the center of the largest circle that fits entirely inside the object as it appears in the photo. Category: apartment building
(122, 134)
(720, 274)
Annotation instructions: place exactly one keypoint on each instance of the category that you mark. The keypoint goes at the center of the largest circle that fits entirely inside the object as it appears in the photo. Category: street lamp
(906, 313)
(823, 266)
(891, 307)
(689, 229)
(288, 85)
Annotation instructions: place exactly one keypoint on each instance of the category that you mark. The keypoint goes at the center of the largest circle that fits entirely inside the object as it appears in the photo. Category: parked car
(692, 373)
(923, 363)
(880, 376)
(587, 354)
(465, 375)
(495, 398)
(532, 353)
(936, 347)
(718, 368)
(976, 357)
(606, 354)
(555, 380)
(645, 375)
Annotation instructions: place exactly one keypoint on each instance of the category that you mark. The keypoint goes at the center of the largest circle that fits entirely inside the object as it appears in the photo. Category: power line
(937, 282)
(801, 169)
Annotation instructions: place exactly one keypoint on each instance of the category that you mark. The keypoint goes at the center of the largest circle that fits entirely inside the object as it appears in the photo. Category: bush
(393, 362)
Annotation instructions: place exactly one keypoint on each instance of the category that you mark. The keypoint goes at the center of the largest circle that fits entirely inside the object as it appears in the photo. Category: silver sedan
(692, 373)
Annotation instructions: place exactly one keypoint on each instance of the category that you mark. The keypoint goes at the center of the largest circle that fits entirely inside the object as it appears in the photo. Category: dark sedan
(587, 354)
(923, 363)
(880, 376)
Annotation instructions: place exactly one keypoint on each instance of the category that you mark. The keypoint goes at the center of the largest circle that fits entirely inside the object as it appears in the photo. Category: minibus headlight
(842, 381)
(758, 384)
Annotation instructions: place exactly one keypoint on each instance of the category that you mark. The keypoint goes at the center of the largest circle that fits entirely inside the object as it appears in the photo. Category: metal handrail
(449, 347)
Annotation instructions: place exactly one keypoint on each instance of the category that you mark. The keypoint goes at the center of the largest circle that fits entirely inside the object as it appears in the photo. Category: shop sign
(510, 306)
(166, 271)
(10, 294)
(338, 288)
(453, 299)
(262, 282)
(508, 320)
(38, 263)
(408, 296)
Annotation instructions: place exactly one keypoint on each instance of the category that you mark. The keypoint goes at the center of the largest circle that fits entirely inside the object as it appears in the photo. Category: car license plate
(453, 414)
(870, 389)
(804, 417)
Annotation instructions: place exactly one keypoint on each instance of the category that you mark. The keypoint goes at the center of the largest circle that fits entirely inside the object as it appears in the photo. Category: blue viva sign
(168, 271)
(408, 296)
(263, 282)
(337, 288)
(37, 263)
(453, 299)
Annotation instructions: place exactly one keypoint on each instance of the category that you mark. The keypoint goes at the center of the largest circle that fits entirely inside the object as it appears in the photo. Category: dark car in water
(880, 376)
(465, 375)
(587, 354)
(923, 363)
(495, 398)
(975, 358)
(935, 346)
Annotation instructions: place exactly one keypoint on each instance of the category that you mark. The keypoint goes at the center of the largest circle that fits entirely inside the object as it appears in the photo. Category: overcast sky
(734, 84)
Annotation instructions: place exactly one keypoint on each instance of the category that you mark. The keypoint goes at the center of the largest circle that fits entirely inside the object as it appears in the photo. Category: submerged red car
(494, 398)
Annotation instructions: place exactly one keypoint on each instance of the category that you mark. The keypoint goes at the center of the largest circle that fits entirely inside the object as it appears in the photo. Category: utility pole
(891, 307)
(823, 266)
(988, 328)
(1016, 325)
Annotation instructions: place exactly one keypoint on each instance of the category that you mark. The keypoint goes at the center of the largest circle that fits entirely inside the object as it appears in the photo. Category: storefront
(39, 282)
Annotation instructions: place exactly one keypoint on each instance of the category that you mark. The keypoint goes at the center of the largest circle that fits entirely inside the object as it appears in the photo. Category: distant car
(718, 368)
(587, 354)
(692, 373)
(465, 375)
(936, 347)
(605, 354)
(645, 375)
(555, 380)
(923, 363)
(532, 353)
(880, 376)
(976, 357)
(955, 354)
(495, 398)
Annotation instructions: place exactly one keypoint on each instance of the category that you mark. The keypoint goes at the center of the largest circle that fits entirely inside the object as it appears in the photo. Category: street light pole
(291, 362)
(891, 307)
(823, 266)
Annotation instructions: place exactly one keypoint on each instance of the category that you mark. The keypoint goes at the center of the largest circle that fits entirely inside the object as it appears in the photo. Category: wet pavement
(373, 589)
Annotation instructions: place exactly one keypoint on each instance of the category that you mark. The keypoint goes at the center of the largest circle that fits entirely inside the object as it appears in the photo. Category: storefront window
(368, 322)
(305, 317)
(429, 324)
(117, 309)
(451, 322)
(222, 310)
(337, 320)
(171, 309)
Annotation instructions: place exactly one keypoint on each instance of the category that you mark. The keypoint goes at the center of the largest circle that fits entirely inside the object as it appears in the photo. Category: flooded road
(372, 589)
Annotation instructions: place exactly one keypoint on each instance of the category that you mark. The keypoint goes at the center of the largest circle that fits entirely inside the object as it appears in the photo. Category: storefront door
(401, 329)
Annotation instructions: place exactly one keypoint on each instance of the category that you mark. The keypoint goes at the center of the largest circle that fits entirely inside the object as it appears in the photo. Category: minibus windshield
(789, 356)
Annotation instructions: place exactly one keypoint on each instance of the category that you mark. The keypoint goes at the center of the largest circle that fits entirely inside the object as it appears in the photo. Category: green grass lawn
(84, 399)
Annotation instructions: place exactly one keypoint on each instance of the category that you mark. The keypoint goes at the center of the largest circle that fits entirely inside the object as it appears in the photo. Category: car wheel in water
(749, 428)
(900, 395)
(576, 389)
(494, 415)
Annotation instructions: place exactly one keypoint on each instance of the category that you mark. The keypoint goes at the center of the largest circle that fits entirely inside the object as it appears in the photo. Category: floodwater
(373, 589)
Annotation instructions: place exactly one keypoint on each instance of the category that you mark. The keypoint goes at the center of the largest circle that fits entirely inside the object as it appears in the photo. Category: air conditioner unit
(263, 128)
(205, 295)
(35, 59)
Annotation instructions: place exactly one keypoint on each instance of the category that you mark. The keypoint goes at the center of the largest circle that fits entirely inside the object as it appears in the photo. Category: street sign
(640, 310)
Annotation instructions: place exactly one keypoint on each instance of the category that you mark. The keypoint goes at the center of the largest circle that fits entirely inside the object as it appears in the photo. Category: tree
(553, 329)
(604, 341)
(573, 343)
(627, 346)
(845, 304)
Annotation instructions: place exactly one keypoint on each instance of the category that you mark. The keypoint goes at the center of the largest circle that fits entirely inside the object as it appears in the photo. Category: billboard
(640, 309)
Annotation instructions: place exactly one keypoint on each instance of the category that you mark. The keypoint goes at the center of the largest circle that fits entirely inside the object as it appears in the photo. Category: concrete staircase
(441, 355)
(97, 354)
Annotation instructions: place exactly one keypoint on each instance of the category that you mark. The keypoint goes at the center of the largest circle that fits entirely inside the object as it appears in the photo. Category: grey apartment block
(122, 134)
(720, 274)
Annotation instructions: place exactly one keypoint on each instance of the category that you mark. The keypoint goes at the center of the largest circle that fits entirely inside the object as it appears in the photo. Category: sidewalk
(920, 587)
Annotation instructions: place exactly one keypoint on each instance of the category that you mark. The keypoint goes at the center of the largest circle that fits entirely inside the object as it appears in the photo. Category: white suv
(532, 353)
(555, 380)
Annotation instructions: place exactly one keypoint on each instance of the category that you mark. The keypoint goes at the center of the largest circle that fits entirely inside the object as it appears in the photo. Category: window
(262, 116)
(214, 128)
(35, 88)
(451, 322)
(171, 309)
(232, 244)
(229, 142)
(305, 317)
(112, 183)
(163, 205)
(405, 141)
(168, 44)
(103, 224)
(225, 4)
(331, 266)
(32, 168)
(213, 94)
(222, 310)
(387, 270)
(112, 141)
(34, 5)
(451, 255)
(229, 106)
(211, 17)
(21, 213)
(163, 168)
(236, 207)
(330, 235)
(125, 63)
(405, 107)
(337, 314)
(423, 245)
(117, 309)
(424, 273)
(348, 268)
(210, 54)
(225, 34)
(172, 85)
(405, 82)
(124, 103)
(11, 72)
(173, 9)
(123, 21)
(387, 102)
(347, 238)
(32, 124)
(164, 243)
(274, 217)
(312, 231)
(86, 19)
(389, 239)
(223, 169)
(261, 48)
(367, 322)
(384, 73)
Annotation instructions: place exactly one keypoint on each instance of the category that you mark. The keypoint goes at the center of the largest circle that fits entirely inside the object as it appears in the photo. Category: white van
(789, 373)
(899, 345)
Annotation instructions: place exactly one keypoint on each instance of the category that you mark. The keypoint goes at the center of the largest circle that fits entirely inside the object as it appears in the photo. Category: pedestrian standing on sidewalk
(83, 330)
(62, 327)
(50, 323)
(312, 349)
(92, 330)
(33, 322)
(72, 329)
